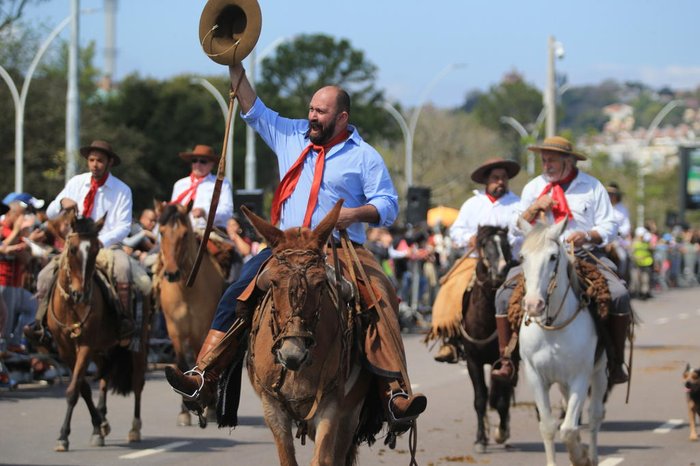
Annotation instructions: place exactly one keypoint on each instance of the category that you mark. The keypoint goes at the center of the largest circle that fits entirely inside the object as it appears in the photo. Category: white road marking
(683, 316)
(668, 426)
(612, 461)
(153, 451)
(661, 321)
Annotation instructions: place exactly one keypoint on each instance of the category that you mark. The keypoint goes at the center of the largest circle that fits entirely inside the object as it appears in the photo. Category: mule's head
(296, 277)
(175, 234)
(543, 257)
(495, 252)
(81, 248)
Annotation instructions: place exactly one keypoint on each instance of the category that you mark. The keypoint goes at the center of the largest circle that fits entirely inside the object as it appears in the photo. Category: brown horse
(188, 311)
(301, 360)
(479, 345)
(85, 329)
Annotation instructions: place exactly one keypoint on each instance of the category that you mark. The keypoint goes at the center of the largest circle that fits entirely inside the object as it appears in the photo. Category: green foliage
(302, 66)
(12, 10)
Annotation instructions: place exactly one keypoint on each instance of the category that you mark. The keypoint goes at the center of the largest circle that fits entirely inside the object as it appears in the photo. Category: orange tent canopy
(443, 214)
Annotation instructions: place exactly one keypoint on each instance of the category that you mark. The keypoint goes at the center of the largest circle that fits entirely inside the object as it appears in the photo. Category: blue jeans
(226, 310)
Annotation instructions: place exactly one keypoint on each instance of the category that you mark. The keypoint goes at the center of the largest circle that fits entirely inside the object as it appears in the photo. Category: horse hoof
(134, 436)
(61, 445)
(480, 448)
(105, 429)
(500, 435)
(97, 441)
(184, 419)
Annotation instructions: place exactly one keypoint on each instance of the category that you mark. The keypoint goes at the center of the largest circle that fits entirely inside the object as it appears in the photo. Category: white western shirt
(202, 200)
(479, 210)
(588, 201)
(112, 198)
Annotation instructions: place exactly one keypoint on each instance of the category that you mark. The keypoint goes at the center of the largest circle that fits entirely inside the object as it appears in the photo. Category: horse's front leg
(326, 439)
(97, 439)
(184, 418)
(280, 424)
(72, 393)
(476, 374)
(596, 408)
(570, 432)
(548, 425)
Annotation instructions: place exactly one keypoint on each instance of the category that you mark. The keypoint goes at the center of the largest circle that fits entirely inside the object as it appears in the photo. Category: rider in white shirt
(494, 206)
(562, 191)
(198, 187)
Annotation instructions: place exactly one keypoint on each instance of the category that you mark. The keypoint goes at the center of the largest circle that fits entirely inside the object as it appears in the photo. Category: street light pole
(72, 95)
(407, 136)
(554, 51)
(641, 188)
(416, 113)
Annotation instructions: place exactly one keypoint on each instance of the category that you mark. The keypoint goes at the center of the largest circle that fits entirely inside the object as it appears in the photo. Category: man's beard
(498, 192)
(325, 133)
(557, 176)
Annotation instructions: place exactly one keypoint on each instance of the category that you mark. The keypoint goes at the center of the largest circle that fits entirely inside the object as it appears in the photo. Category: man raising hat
(494, 206)
(198, 187)
(95, 194)
(563, 191)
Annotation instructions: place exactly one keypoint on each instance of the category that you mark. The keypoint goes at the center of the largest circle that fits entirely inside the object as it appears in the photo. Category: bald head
(329, 113)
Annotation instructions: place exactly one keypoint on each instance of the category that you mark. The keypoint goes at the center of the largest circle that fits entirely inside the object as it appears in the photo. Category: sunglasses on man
(202, 161)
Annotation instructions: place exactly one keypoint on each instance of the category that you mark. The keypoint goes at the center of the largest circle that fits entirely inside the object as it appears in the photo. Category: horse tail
(118, 370)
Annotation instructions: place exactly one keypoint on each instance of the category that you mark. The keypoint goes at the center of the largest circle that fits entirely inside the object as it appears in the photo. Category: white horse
(558, 343)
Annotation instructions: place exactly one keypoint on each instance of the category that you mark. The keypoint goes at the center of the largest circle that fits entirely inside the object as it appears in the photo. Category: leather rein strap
(217, 188)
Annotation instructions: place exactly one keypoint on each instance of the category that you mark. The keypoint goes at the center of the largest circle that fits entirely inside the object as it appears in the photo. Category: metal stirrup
(195, 395)
(394, 419)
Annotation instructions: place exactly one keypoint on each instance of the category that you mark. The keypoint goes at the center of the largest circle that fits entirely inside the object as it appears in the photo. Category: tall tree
(12, 10)
(302, 66)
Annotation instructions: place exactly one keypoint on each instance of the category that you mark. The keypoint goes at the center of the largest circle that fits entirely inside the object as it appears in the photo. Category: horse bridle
(75, 328)
(296, 281)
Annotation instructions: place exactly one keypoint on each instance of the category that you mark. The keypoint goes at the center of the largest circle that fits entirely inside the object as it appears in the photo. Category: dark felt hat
(101, 146)
(480, 175)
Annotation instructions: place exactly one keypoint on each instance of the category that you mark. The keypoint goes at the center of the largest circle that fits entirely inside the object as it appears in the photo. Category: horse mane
(170, 213)
(298, 238)
(535, 239)
(484, 231)
(84, 226)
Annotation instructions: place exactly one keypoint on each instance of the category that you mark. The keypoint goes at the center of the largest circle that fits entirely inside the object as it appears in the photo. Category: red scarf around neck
(291, 178)
(89, 201)
(561, 208)
(491, 198)
(190, 193)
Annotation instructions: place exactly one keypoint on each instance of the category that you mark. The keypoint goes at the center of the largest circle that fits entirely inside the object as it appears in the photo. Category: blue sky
(411, 41)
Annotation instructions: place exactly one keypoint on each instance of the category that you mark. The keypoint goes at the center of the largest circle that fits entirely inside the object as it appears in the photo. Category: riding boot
(401, 408)
(448, 352)
(126, 320)
(618, 325)
(36, 332)
(217, 352)
(503, 369)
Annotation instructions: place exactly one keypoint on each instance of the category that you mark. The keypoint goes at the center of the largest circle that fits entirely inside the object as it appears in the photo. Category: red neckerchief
(560, 209)
(291, 178)
(89, 201)
(189, 194)
(491, 198)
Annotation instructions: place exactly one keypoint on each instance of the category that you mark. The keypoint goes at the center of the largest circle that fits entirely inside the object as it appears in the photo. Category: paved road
(651, 430)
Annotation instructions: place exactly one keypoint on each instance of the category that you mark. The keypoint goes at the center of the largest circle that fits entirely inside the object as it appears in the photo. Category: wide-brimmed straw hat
(557, 144)
(511, 167)
(200, 150)
(101, 146)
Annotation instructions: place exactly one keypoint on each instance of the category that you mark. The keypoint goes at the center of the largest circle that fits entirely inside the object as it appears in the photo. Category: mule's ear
(325, 228)
(559, 228)
(70, 216)
(100, 223)
(524, 225)
(271, 233)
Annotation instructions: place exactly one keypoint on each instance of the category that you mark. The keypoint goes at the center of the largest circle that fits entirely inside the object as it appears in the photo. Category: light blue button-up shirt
(354, 171)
